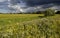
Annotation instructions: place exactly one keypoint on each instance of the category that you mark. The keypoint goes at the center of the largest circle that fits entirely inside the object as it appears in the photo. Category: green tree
(49, 12)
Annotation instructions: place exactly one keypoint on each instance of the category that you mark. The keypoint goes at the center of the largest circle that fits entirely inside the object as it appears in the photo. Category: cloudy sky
(28, 5)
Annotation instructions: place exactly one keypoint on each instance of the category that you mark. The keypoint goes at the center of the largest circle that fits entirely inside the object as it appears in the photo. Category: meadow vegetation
(30, 25)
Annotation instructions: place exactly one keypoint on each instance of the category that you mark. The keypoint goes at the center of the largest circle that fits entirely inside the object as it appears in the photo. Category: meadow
(29, 26)
(15, 18)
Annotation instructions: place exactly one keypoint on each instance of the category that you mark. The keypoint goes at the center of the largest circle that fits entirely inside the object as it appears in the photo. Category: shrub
(49, 12)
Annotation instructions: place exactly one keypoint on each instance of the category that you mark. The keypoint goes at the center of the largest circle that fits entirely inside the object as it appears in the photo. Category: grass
(14, 18)
(29, 26)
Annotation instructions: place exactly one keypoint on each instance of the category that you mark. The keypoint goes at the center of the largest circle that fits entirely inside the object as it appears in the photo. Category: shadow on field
(41, 16)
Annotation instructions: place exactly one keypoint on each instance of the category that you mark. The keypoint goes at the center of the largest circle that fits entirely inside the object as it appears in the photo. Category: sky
(2, 0)
(4, 6)
(7, 6)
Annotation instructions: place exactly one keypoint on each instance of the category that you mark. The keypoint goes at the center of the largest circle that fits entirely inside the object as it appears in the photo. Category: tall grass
(47, 27)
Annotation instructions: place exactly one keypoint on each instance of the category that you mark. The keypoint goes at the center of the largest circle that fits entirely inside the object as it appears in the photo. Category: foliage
(49, 12)
(58, 12)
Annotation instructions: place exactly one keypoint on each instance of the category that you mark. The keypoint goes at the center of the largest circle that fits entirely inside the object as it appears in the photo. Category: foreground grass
(29, 26)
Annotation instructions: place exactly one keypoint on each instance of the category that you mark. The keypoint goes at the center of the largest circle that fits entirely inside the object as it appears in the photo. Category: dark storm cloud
(40, 2)
(35, 2)
(34, 5)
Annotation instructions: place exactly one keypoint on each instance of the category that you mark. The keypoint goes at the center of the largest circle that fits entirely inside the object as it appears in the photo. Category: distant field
(29, 26)
(14, 18)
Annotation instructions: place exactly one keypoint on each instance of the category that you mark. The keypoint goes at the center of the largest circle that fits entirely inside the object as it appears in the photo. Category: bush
(58, 12)
(49, 12)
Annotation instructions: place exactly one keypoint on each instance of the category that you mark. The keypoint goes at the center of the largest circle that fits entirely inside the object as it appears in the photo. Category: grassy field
(29, 26)
(15, 18)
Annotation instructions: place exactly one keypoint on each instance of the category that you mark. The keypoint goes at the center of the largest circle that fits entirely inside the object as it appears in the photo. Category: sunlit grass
(29, 26)
(13, 18)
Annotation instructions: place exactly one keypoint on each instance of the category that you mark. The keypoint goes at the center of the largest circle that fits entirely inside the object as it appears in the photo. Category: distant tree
(39, 12)
(49, 12)
(58, 12)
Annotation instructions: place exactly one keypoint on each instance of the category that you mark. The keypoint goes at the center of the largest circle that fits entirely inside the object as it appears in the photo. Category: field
(29, 26)
(6, 19)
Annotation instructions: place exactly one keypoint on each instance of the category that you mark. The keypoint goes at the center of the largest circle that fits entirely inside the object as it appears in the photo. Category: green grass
(14, 18)
(29, 26)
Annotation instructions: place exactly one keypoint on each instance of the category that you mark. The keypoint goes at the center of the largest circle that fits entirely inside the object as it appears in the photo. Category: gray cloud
(4, 6)
(34, 2)
(33, 5)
